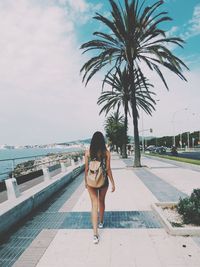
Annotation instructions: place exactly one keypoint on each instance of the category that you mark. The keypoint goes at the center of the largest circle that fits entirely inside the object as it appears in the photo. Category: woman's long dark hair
(97, 146)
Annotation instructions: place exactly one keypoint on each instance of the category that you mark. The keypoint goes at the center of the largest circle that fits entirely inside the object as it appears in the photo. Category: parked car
(150, 148)
(160, 150)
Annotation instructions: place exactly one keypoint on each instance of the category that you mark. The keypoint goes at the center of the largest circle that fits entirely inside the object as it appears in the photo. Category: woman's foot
(100, 225)
(96, 239)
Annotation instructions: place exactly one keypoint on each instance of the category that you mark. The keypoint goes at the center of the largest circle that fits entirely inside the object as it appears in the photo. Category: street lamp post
(143, 140)
(193, 139)
(142, 133)
(151, 130)
(199, 130)
(181, 143)
(173, 121)
(188, 139)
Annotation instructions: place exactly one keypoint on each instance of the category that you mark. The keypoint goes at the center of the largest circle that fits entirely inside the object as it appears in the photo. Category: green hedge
(189, 208)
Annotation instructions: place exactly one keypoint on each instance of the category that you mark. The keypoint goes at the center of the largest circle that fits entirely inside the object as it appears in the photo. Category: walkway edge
(177, 231)
(184, 165)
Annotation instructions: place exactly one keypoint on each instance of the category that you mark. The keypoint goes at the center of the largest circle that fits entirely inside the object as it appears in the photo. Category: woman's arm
(86, 166)
(109, 172)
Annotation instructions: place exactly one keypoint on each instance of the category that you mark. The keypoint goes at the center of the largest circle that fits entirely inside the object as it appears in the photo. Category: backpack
(95, 176)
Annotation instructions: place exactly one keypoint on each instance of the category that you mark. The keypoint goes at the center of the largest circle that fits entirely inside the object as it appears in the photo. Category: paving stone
(7, 263)
(197, 240)
(112, 219)
(161, 189)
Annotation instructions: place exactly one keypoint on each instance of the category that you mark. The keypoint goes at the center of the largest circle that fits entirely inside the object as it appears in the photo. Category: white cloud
(172, 31)
(189, 29)
(195, 21)
(79, 11)
(42, 98)
(192, 28)
(78, 5)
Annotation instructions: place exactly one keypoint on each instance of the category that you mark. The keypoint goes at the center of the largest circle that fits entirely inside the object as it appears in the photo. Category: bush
(189, 208)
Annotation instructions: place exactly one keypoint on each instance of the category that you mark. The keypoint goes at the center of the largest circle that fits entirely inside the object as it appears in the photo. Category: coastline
(10, 157)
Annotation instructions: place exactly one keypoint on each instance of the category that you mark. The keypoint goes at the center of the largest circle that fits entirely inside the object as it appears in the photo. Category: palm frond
(109, 24)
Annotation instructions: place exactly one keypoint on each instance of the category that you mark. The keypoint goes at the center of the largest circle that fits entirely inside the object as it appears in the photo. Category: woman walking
(99, 152)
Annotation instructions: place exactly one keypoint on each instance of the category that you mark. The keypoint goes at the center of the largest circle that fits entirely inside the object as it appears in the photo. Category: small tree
(120, 95)
(114, 128)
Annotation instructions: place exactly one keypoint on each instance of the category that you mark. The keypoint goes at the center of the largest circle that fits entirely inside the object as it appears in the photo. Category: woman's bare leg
(94, 213)
(102, 194)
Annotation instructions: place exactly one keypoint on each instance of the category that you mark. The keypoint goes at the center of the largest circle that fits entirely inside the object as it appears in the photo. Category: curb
(177, 231)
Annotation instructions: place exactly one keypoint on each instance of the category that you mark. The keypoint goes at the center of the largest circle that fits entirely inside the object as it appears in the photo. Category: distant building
(6, 147)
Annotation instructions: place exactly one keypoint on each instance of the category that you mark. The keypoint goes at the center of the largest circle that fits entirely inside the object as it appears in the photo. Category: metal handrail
(33, 168)
(25, 157)
(29, 157)
(37, 156)
(13, 162)
(44, 163)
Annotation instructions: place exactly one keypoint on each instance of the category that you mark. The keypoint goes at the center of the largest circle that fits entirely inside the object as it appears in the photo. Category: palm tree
(133, 36)
(121, 96)
(114, 128)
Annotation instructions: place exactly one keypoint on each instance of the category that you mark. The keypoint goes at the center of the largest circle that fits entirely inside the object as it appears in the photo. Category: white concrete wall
(12, 211)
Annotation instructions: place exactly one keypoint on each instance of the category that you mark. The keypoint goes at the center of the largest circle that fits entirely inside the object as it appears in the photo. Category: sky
(42, 97)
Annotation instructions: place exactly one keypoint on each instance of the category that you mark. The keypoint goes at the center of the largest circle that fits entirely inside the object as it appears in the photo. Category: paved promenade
(60, 233)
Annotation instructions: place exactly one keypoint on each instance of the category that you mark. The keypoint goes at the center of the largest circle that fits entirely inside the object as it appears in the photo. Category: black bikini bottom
(106, 184)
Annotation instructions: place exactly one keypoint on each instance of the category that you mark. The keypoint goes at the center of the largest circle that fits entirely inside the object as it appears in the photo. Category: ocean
(6, 154)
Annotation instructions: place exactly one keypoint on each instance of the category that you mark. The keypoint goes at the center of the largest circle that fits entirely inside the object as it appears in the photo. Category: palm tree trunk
(124, 148)
(117, 149)
(137, 155)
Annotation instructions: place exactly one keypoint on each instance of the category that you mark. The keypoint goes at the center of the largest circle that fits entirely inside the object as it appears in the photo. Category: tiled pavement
(47, 217)
(59, 234)
(113, 219)
(161, 189)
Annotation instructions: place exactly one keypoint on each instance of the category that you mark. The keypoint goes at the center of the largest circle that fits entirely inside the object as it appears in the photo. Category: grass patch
(185, 160)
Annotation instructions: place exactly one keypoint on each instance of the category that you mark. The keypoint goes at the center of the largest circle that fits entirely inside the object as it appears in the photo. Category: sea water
(8, 154)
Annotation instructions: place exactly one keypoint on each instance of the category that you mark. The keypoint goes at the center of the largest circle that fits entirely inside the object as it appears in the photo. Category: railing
(14, 163)
(19, 204)
(44, 171)
(43, 167)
